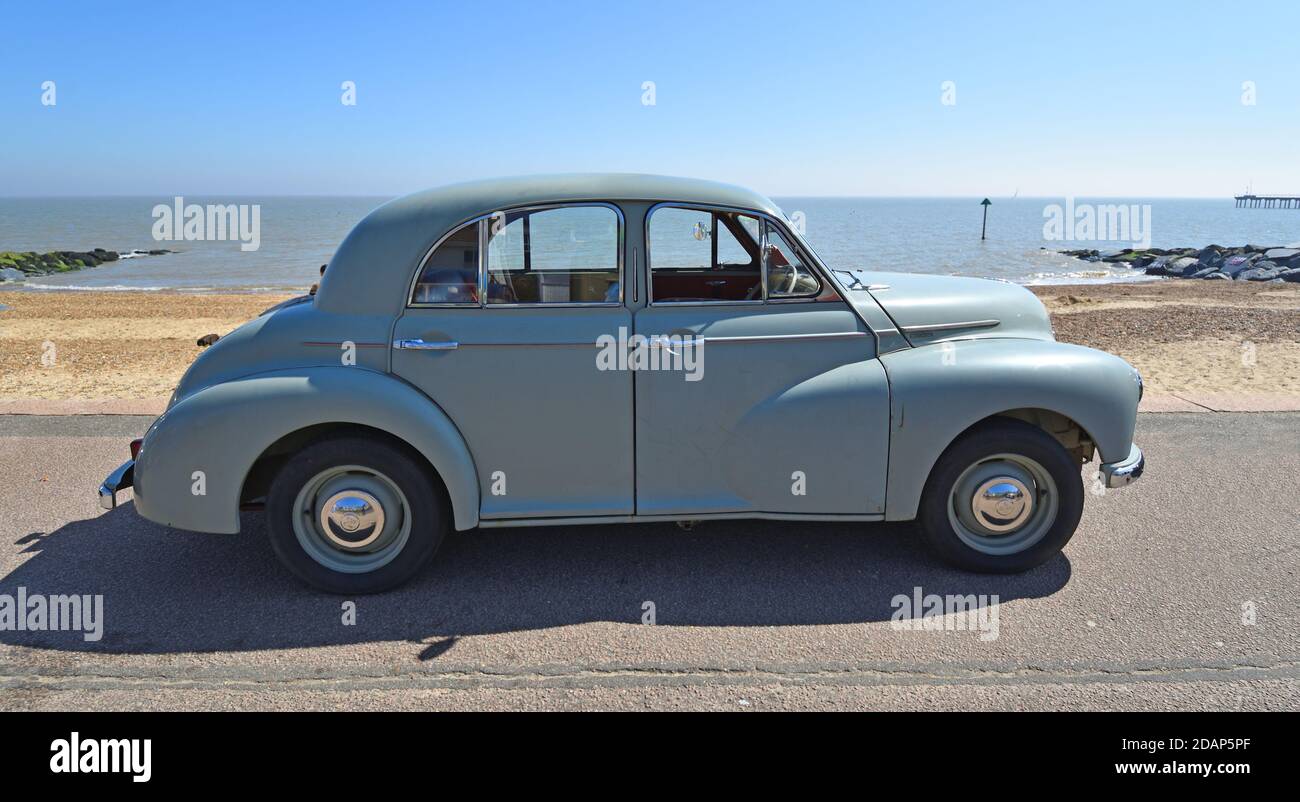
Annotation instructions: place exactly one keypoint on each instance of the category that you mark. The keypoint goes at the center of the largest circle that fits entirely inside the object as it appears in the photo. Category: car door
(502, 334)
(771, 401)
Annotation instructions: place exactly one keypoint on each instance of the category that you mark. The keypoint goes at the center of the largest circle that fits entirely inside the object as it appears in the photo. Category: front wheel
(1004, 498)
(354, 515)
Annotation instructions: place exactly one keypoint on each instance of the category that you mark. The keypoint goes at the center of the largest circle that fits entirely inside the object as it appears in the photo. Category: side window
(568, 254)
(450, 274)
(704, 255)
(730, 251)
(788, 276)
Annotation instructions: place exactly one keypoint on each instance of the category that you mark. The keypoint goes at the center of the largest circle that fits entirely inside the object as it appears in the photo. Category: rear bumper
(1126, 471)
(120, 479)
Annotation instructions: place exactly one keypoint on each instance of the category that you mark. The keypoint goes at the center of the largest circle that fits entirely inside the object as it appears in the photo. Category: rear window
(450, 274)
(563, 255)
(560, 255)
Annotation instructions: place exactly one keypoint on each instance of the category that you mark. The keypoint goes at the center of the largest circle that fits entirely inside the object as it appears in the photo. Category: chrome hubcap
(1001, 504)
(352, 519)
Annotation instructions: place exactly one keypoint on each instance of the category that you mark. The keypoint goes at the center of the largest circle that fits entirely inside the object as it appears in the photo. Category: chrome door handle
(421, 345)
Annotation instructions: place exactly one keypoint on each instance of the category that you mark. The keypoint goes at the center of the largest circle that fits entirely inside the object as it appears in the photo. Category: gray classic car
(623, 348)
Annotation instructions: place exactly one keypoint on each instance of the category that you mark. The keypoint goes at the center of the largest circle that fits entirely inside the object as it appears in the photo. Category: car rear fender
(195, 458)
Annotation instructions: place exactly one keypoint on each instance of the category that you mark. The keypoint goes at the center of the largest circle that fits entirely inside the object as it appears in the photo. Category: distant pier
(1268, 201)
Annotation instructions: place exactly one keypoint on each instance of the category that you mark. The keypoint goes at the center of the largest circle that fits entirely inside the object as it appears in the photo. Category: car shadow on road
(167, 591)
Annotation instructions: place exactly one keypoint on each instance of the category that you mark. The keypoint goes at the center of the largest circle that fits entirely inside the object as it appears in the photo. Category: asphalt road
(1144, 610)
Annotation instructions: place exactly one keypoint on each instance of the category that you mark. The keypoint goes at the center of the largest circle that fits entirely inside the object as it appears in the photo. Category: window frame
(482, 222)
(797, 246)
(763, 217)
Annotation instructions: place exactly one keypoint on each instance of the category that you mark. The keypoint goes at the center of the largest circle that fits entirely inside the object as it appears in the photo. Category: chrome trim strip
(339, 344)
(636, 270)
(757, 338)
(968, 324)
(489, 522)
(530, 345)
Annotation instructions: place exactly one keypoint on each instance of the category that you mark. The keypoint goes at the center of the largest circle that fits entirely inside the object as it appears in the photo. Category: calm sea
(927, 235)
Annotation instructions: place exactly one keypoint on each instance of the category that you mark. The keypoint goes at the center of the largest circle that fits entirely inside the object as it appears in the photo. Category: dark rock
(1257, 274)
(159, 252)
(1210, 256)
(1185, 265)
(1204, 272)
(1219, 276)
(1292, 275)
(1281, 254)
(1235, 265)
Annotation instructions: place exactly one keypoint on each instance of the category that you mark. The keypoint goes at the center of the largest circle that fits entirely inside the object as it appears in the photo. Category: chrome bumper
(120, 479)
(1126, 471)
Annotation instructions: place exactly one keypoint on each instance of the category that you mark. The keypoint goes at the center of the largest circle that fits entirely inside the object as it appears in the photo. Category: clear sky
(793, 98)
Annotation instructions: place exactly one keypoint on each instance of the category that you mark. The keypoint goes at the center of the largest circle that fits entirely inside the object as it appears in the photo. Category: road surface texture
(1178, 592)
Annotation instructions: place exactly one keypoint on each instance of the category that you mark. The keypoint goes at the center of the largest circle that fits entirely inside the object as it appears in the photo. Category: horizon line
(96, 196)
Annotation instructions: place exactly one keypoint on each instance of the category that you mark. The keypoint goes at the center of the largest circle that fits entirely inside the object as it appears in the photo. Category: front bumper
(1126, 471)
(120, 479)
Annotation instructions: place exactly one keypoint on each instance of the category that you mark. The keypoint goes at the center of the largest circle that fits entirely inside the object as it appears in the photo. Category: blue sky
(1052, 99)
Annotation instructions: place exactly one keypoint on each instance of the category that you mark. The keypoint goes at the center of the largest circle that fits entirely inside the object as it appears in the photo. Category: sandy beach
(109, 345)
(1229, 340)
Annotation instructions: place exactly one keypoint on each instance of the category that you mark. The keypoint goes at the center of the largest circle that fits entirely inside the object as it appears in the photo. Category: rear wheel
(355, 515)
(1004, 498)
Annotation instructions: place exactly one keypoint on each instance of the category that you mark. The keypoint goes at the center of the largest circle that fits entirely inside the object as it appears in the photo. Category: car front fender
(191, 468)
(939, 391)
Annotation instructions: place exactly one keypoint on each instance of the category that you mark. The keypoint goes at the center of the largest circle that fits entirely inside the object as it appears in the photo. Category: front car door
(783, 407)
(501, 332)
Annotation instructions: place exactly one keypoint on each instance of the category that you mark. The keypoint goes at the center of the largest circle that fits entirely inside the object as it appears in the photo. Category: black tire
(1001, 436)
(423, 496)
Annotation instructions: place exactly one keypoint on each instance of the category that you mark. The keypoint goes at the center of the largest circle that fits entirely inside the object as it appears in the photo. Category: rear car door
(502, 331)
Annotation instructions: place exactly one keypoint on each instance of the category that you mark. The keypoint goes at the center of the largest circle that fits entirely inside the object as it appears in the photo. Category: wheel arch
(1084, 398)
(257, 482)
(229, 429)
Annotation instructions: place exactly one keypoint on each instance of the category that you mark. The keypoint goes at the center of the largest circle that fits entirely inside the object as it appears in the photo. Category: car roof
(371, 271)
